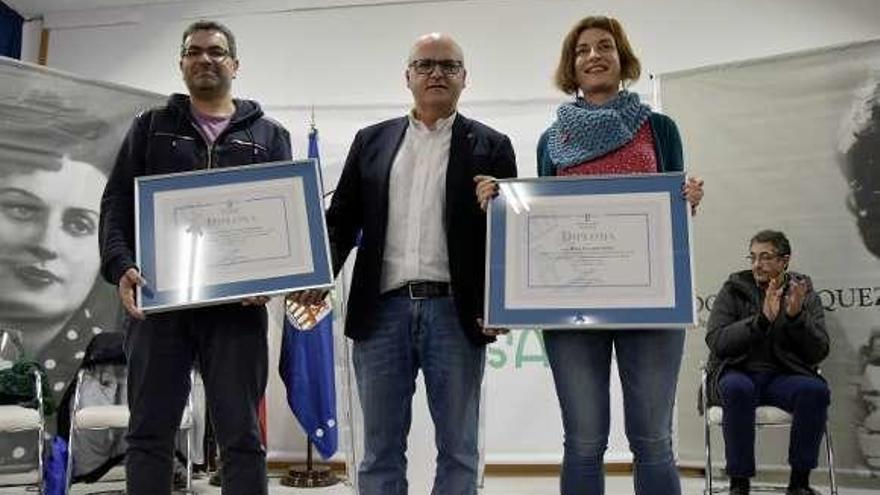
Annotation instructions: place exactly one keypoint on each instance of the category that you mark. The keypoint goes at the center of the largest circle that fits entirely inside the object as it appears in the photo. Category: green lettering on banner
(539, 357)
(495, 355)
(526, 346)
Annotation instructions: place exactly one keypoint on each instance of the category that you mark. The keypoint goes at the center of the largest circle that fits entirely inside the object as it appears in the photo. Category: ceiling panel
(33, 8)
(36, 8)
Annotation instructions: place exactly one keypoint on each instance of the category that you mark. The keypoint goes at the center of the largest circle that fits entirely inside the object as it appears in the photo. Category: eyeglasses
(425, 66)
(215, 53)
(762, 257)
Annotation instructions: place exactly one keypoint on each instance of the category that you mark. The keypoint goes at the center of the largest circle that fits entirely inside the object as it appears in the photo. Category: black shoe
(739, 486)
(178, 479)
(216, 479)
(801, 490)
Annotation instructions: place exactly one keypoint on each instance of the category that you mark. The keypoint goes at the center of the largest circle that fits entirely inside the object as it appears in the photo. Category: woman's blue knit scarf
(584, 131)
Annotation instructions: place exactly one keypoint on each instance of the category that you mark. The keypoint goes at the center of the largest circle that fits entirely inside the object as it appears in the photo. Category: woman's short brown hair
(630, 67)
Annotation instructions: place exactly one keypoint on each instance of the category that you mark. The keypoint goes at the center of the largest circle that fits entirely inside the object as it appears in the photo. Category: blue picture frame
(499, 313)
(152, 298)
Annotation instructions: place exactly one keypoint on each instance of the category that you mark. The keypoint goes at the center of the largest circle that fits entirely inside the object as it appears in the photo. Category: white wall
(295, 55)
(355, 55)
(348, 63)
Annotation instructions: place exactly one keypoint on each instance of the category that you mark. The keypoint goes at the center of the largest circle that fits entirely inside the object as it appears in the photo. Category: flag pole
(311, 475)
(312, 129)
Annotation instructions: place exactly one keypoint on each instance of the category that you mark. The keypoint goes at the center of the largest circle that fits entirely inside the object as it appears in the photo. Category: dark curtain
(10, 32)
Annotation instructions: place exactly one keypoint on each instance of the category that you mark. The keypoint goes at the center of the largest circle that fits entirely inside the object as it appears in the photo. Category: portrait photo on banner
(59, 136)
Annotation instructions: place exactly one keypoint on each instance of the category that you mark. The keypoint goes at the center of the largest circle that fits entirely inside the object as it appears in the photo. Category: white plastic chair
(765, 417)
(116, 417)
(14, 419)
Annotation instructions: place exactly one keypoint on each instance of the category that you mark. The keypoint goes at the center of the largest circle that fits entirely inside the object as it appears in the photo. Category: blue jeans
(648, 362)
(805, 397)
(413, 334)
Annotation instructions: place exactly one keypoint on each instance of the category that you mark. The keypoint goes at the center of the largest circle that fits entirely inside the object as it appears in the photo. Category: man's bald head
(435, 39)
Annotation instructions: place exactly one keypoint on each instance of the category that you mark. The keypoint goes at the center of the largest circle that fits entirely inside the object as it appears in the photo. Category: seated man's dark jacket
(166, 140)
(737, 324)
(360, 208)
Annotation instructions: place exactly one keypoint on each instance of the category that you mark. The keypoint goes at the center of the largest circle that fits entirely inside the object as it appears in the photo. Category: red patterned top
(636, 157)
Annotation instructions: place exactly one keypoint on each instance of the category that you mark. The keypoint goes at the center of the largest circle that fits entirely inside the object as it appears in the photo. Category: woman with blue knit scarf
(606, 130)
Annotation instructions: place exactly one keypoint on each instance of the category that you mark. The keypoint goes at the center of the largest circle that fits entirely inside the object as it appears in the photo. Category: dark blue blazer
(360, 205)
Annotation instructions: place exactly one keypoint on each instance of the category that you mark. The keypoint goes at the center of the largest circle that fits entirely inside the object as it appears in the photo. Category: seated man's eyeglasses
(425, 66)
(761, 258)
(215, 53)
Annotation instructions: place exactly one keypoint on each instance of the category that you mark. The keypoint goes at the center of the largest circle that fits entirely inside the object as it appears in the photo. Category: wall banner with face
(792, 143)
(59, 135)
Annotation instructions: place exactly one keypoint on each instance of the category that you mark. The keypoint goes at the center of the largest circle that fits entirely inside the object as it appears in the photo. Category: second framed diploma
(604, 252)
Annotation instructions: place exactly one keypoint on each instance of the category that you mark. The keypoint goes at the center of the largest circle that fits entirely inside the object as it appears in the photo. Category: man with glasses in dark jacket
(206, 129)
(767, 336)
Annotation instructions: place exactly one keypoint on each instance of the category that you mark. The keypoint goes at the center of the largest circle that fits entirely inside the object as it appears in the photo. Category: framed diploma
(220, 235)
(589, 252)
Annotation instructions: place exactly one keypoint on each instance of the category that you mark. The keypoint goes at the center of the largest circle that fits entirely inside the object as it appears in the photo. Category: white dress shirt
(415, 239)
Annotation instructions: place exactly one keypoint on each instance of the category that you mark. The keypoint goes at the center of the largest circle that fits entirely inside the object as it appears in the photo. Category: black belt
(421, 290)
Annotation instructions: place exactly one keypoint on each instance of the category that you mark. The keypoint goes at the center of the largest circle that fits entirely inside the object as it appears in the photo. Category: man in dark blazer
(407, 199)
